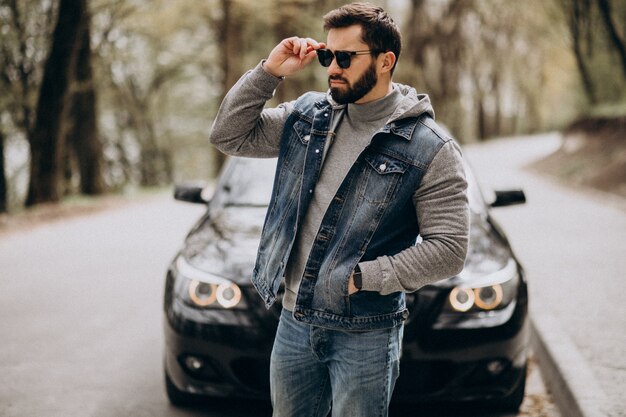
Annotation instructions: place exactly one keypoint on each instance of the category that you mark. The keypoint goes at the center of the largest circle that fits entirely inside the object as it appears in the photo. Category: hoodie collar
(402, 120)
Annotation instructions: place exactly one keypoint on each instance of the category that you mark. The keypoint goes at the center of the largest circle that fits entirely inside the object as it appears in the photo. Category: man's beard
(355, 92)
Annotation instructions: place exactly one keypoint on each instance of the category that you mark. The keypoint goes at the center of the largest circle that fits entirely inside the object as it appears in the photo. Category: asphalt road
(80, 319)
(571, 242)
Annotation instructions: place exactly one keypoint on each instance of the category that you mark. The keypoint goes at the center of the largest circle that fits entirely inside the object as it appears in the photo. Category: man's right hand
(291, 55)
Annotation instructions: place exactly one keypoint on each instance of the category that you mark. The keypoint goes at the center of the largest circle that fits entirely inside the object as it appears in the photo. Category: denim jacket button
(306, 138)
(317, 151)
(382, 167)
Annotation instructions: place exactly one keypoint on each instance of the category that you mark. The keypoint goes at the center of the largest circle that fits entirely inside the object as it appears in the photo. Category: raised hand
(291, 55)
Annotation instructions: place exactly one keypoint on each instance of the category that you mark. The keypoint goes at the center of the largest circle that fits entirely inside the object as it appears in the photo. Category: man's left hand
(351, 287)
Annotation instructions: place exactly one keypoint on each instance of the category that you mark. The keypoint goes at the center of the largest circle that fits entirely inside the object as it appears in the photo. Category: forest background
(110, 96)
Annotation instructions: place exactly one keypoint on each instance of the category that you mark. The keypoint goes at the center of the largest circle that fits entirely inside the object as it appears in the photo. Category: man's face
(352, 84)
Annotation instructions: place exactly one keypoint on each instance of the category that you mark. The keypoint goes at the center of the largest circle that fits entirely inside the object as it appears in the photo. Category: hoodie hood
(412, 104)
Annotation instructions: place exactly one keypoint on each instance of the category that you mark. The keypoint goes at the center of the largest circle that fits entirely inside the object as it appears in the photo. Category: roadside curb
(572, 384)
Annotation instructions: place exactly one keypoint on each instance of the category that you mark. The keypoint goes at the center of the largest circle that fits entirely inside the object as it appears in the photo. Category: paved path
(573, 245)
(80, 312)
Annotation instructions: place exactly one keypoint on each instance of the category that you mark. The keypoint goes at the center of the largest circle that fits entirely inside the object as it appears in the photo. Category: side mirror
(192, 193)
(509, 198)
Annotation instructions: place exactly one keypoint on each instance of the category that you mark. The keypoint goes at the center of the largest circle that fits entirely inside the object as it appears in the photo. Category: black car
(466, 339)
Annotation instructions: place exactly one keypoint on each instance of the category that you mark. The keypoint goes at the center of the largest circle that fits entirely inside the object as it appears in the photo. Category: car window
(245, 182)
(249, 181)
(474, 192)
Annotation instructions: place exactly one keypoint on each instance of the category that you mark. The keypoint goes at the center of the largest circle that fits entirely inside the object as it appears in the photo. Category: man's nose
(334, 68)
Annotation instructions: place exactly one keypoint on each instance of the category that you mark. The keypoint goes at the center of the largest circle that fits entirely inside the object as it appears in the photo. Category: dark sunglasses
(326, 56)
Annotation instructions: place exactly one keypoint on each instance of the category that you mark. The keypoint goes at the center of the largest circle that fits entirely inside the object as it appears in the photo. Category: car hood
(225, 243)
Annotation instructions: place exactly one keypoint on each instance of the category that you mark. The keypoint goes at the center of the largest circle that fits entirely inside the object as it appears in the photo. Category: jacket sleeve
(242, 126)
(442, 210)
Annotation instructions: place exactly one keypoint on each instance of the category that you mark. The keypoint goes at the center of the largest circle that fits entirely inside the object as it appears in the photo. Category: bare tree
(24, 31)
(47, 137)
(154, 164)
(21, 44)
(83, 133)
(437, 53)
(3, 180)
(578, 16)
(228, 35)
(615, 38)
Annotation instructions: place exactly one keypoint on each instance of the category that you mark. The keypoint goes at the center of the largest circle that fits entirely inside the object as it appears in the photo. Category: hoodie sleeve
(242, 126)
(442, 210)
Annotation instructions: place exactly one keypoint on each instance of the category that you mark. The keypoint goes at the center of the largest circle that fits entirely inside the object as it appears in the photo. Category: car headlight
(486, 301)
(203, 290)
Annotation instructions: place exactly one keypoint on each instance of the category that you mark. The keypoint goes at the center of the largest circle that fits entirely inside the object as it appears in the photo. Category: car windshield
(245, 182)
(474, 193)
(249, 181)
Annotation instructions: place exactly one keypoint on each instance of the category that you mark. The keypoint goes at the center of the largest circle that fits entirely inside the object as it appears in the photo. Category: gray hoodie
(244, 128)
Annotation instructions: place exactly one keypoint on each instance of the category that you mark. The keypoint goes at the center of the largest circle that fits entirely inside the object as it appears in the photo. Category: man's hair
(379, 31)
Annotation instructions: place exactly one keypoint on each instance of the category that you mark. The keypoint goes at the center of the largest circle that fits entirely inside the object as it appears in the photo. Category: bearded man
(369, 203)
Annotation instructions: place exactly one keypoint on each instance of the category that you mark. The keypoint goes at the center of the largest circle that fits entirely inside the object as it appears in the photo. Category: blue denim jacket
(371, 215)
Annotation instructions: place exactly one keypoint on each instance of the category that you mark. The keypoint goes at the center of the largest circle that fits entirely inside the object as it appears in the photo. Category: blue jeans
(312, 367)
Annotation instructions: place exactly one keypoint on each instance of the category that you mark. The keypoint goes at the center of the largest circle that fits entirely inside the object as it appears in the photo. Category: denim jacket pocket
(298, 141)
(383, 173)
(302, 129)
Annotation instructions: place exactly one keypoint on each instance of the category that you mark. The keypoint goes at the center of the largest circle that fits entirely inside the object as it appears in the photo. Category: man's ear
(388, 61)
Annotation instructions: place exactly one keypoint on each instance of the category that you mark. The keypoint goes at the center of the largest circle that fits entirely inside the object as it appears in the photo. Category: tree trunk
(576, 21)
(482, 118)
(3, 178)
(46, 140)
(83, 135)
(585, 76)
(152, 167)
(614, 36)
(497, 99)
(227, 34)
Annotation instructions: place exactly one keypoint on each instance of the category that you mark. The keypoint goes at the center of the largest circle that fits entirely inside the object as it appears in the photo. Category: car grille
(419, 378)
(253, 373)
